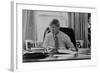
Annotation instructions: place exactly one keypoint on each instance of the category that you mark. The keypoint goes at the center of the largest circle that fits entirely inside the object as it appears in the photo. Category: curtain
(29, 26)
(79, 23)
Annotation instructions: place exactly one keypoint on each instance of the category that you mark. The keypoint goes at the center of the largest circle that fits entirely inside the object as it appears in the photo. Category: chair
(70, 33)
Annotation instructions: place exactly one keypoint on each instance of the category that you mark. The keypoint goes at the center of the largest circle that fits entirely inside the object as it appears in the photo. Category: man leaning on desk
(57, 40)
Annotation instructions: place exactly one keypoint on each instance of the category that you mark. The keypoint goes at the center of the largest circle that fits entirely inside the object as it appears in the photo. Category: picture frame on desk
(35, 14)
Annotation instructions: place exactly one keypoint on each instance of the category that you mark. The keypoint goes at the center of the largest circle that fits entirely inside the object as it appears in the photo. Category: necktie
(56, 42)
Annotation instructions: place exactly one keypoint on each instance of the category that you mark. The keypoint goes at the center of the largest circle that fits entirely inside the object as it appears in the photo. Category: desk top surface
(83, 53)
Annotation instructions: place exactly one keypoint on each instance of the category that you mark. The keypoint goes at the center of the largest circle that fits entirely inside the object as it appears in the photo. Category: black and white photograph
(55, 36)
(52, 36)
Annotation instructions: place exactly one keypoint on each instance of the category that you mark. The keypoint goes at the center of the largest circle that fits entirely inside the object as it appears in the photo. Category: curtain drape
(79, 23)
(29, 26)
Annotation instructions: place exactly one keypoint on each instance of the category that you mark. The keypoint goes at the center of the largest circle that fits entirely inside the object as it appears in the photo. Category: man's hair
(55, 22)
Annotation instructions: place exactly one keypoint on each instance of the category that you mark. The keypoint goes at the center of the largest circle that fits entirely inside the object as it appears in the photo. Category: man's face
(54, 29)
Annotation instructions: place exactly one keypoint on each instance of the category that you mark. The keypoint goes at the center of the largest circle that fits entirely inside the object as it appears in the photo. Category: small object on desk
(76, 55)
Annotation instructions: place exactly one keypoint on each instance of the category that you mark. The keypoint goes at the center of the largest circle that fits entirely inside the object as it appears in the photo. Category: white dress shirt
(63, 41)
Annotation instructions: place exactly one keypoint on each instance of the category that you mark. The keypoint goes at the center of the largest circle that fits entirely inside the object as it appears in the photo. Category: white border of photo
(16, 60)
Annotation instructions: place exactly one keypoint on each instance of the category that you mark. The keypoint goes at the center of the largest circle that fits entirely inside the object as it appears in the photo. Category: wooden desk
(83, 53)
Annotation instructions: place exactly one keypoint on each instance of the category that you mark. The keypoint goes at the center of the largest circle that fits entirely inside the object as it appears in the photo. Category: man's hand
(52, 50)
(74, 49)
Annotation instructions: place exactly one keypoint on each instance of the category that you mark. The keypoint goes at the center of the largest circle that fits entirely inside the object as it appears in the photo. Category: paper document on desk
(67, 51)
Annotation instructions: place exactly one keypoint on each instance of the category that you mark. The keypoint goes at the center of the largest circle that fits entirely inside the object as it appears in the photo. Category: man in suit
(56, 39)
